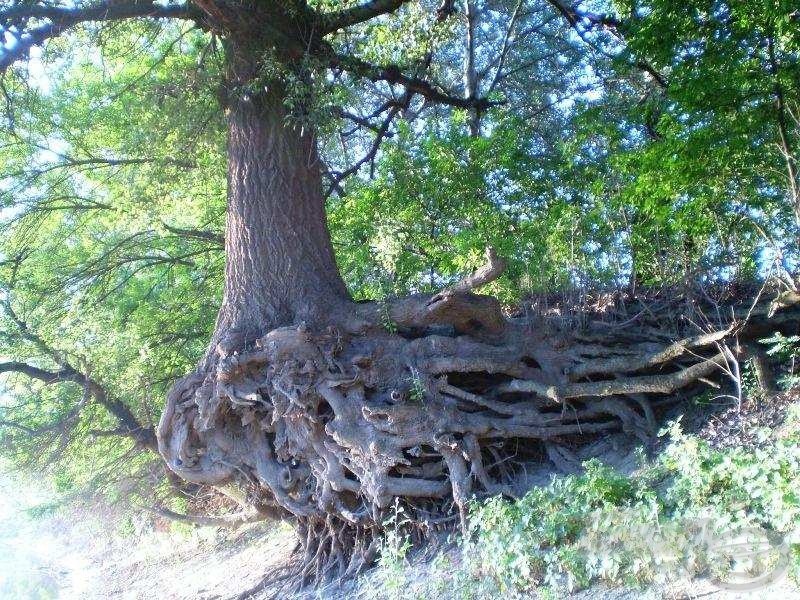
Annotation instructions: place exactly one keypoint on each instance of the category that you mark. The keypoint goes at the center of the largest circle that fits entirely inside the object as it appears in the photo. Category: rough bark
(280, 266)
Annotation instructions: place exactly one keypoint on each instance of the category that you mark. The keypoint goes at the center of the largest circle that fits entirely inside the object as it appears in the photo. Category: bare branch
(48, 377)
(486, 273)
(576, 16)
(381, 133)
(233, 521)
(507, 39)
(358, 120)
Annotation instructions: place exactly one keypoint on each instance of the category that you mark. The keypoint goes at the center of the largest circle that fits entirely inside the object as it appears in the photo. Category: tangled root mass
(428, 401)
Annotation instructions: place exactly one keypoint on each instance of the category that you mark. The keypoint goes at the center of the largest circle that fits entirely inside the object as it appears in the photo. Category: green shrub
(787, 350)
(658, 525)
(653, 526)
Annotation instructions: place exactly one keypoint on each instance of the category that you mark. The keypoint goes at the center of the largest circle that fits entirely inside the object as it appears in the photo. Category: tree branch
(392, 74)
(486, 273)
(129, 425)
(207, 235)
(575, 16)
(381, 134)
(358, 14)
(582, 21)
(233, 521)
(143, 434)
(14, 22)
(48, 377)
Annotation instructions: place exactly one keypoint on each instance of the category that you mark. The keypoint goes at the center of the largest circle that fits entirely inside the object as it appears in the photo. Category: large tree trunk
(280, 267)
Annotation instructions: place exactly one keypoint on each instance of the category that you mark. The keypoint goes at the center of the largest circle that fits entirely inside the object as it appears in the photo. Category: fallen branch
(233, 521)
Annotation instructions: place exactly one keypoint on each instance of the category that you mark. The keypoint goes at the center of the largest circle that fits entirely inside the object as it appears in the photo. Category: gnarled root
(329, 427)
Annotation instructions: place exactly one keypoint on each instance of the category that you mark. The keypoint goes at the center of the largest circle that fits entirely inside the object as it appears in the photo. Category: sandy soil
(202, 569)
(75, 557)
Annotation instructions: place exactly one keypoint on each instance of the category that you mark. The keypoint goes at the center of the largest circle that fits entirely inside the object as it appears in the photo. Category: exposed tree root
(451, 401)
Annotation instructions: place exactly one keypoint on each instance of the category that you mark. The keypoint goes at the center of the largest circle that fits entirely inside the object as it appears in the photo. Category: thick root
(331, 428)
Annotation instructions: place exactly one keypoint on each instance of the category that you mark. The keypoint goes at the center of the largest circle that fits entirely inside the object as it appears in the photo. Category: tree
(323, 409)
